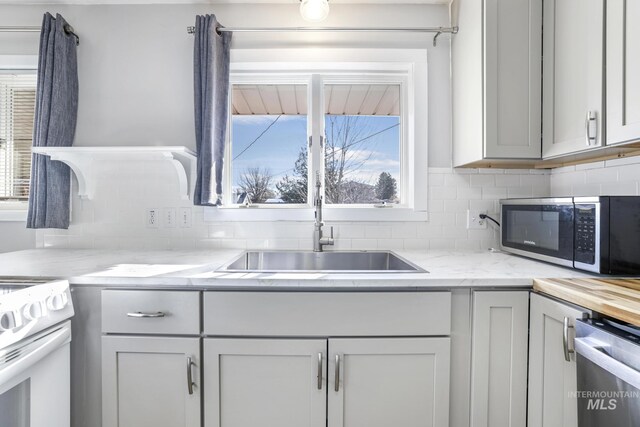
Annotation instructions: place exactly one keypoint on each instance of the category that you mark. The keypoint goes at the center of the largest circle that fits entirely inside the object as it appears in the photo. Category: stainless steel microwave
(598, 234)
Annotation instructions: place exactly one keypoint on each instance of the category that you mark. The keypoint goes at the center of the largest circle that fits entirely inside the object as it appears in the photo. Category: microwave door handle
(592, 350)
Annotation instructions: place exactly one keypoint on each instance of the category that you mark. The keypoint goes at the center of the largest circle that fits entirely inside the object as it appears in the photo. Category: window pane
(269, 143)
(362, 150)
(17, 104)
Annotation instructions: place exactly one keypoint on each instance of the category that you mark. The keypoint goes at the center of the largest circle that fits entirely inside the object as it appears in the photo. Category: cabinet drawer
(327, 313)
(151, 312)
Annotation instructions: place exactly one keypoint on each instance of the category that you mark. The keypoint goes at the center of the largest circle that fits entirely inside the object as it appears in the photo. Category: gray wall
(135, 62)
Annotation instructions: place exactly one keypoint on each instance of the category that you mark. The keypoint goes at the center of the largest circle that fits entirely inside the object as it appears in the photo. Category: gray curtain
(54, 124)
(211, 89)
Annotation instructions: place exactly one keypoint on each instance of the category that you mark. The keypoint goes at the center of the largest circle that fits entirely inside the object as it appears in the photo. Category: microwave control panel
(585, 234)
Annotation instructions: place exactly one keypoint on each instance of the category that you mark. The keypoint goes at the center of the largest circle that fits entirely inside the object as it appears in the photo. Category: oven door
(34, 380)
(538, 228)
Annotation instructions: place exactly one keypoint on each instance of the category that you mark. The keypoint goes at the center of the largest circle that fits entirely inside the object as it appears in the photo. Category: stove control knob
(7, 321)
(33, 311)
(57, 302)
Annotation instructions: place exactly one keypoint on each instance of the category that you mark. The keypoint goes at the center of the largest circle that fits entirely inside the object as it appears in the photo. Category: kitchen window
(271, 140)
(17, 107)
(352, 124)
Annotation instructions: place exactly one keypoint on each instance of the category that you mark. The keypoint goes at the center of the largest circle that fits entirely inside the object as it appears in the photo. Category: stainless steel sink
(326, 262)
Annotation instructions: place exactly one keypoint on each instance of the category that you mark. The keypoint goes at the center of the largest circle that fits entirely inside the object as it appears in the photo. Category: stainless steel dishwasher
(608, 361)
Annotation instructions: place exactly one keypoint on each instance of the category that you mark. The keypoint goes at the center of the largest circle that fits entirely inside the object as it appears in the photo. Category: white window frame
(16, 211)
(315, 67)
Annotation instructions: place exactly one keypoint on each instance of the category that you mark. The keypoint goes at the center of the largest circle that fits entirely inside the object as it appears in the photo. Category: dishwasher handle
(599, 353)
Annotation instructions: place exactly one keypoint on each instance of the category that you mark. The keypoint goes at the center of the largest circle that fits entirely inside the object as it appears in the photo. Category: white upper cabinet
(572, 76)
(496, 74)
(623, 71)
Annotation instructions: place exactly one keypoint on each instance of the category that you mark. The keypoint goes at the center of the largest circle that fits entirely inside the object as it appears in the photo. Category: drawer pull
(141, 315)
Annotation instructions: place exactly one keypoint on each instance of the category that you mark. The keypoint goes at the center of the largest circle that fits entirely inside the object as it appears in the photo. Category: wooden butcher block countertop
(617, 298)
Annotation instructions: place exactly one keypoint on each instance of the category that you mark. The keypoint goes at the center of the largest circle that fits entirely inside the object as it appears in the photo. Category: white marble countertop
(197, 270)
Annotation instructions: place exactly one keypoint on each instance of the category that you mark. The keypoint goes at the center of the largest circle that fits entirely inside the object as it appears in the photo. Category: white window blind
(17, 105)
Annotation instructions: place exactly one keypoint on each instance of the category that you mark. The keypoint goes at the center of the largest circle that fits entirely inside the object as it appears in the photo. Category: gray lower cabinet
(499, 354)
(150, 381)
(552, 365)
(341, 382)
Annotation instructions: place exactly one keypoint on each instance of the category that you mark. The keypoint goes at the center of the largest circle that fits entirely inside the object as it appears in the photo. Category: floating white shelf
(80, 160)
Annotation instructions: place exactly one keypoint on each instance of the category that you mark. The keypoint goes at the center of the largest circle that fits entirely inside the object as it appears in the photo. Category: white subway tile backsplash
(442, 244)
(443, 193)
(597, 176)
(507, 180)
(436, 179)
(453, 206)
(377, 232)
(612, 177)
(483, 180)
(492, 193)
(469, 193)
(116, 217)
(628, 188)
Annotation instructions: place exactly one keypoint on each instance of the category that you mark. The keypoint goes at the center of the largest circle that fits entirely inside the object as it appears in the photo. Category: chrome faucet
(318, 240)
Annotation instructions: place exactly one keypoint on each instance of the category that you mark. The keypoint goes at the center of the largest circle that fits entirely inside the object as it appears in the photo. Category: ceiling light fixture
(314, 10)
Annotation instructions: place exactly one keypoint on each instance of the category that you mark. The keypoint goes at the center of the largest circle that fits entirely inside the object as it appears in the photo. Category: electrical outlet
(185, 218)
(474, 222)
(169, 217)
(153, 218)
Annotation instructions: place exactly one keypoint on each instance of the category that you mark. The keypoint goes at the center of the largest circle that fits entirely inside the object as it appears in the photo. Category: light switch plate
(184, 218)
(169, 218)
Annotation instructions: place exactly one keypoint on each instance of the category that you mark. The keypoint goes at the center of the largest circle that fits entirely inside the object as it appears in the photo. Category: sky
(278, 148)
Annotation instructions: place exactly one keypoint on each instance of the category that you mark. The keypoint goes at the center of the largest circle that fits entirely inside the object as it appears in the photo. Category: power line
(258, 137)
(369, 136)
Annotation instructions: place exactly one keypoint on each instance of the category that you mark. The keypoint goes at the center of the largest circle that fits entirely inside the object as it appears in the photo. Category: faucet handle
(331, 228)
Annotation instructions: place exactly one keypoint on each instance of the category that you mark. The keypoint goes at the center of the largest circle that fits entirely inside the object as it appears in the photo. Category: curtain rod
(437, 30)
(33, 29)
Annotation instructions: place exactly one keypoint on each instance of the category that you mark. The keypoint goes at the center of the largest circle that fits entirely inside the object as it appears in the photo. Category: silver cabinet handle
(190, 382)
(337, 380)
(565, 339)
(591, 117)
(319, 371)
(141, 315)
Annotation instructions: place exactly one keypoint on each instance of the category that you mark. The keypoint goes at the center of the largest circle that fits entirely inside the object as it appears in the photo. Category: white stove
(35, 336)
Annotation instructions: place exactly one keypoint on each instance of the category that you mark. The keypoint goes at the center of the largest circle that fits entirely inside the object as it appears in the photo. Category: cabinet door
(572, 75)
(389, 382)
(512, 70)
(552, 377)
(623, 71)
(499, 359)
(145, 382)
(265, 382)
